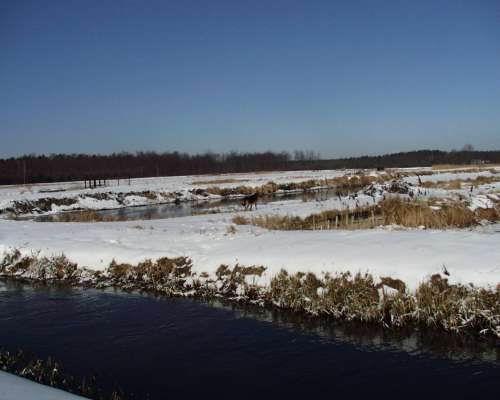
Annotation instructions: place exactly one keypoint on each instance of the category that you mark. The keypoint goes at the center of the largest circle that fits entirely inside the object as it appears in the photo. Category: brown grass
(392, 211)
(435, 304)
(346, 219)
(169, 274)
(415, 214)
(55, 268)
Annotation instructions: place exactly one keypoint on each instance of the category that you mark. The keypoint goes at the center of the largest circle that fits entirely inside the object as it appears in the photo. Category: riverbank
(435, 304)
(13, 387)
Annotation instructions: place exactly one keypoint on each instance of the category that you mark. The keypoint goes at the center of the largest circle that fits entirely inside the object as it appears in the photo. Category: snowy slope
(15, 388)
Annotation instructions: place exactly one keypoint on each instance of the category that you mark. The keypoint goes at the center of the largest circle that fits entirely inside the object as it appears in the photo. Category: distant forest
(70, 167)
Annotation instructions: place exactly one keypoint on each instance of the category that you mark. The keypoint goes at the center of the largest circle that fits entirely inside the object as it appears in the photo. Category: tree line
(69, 167)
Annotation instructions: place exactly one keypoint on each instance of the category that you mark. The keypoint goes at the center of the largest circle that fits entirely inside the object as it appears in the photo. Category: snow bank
(16, 388)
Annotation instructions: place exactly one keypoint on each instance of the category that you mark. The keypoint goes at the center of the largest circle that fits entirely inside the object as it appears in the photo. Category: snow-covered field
(412, 255)
(15, 388)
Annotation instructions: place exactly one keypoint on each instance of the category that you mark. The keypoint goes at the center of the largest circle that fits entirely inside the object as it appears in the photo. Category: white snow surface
(13, 387)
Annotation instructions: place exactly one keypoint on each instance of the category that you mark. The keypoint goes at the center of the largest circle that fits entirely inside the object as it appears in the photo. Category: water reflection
(375, 338)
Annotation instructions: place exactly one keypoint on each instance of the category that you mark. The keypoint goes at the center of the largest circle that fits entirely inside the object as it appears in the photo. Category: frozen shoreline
(13, 387)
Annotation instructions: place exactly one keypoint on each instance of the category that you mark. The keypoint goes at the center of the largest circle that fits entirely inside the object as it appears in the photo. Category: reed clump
(454, 307)
(239, 282)
(359, 218)
(436, 304)
(414, 214)
(164, 275)
(55, 268)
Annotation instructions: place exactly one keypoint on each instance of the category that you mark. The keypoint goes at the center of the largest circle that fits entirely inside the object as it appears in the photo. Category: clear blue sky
(339, 77)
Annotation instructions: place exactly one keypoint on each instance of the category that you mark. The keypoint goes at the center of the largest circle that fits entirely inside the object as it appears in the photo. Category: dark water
(162, 211)
(176, 348)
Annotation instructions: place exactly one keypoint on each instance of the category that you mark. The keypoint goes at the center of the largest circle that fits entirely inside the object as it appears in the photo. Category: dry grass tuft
(454, 307)
(416, 213)
(436, 304)
(55, 268)
(358, 218)
(234, 284)
(165, 274)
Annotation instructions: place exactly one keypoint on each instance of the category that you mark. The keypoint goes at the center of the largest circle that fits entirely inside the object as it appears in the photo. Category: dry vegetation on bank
(51, 373)
(435, 304)
(392, 211)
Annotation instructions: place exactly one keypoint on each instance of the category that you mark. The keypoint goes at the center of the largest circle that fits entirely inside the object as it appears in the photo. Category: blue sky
(339, 77)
